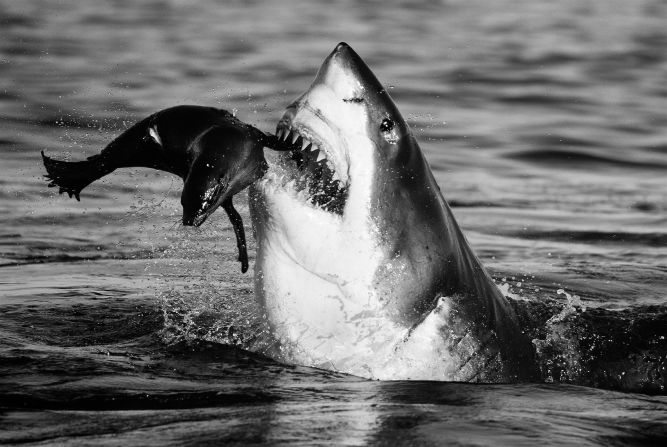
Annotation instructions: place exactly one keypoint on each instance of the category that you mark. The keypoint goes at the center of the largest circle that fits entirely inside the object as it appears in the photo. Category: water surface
(545, 124)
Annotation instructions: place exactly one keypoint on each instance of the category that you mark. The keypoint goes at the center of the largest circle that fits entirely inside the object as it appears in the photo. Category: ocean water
(545, 124)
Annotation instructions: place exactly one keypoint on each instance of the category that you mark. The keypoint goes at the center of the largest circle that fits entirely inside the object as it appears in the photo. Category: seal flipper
(237, 222)
(134, 147)
(73, 176)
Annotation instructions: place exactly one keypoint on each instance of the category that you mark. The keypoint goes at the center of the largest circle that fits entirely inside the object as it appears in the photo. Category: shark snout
(344, 66)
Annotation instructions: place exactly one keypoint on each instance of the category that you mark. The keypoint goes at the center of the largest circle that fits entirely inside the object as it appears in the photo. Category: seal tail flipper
(126, 150)
(72, 176)
(235, 217)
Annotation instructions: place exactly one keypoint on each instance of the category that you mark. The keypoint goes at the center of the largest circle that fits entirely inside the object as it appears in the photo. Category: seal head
(227, 160)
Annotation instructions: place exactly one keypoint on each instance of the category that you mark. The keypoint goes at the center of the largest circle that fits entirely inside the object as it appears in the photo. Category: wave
(135, 401)
(455, 203)
(507, 78)
(18, 259)
(579, 160)
(561, 140)
(595, 236)
(622, 350)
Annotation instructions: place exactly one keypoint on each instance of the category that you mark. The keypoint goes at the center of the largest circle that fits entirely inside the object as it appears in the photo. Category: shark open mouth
(310, 168)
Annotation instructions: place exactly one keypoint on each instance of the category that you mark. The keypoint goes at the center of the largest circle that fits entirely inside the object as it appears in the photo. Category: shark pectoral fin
(235, 218)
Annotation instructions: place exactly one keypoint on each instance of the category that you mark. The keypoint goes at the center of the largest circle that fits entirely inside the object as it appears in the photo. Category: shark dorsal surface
(361, 266)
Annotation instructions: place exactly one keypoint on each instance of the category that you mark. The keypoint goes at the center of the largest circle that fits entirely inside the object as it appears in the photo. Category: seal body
(214, 153)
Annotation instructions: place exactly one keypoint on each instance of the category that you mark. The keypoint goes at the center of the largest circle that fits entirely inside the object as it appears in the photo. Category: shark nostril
(341, 47)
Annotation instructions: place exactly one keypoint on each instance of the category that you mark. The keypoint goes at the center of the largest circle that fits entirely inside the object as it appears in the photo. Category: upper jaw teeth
(300, 143)
(293, 136)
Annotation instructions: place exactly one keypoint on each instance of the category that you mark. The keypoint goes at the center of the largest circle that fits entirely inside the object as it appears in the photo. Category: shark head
(343, 128)
(349, 187)
(355, 243)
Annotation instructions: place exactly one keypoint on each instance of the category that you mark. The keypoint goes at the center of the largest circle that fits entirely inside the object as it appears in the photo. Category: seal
(361, 266)
(214, 153)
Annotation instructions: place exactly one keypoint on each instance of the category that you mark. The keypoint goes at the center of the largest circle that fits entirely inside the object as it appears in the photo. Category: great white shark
(361, 266)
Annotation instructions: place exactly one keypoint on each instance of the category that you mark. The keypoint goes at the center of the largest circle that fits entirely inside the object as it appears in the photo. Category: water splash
(593, 346)
(201, 294)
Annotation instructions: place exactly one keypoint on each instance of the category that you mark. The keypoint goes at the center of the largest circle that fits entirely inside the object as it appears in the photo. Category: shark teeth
(299, 142)
(310, 152)
(317, 181)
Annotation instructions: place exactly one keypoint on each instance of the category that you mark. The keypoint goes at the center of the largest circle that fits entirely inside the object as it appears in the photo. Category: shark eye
(387, 125)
